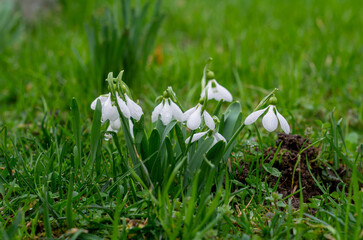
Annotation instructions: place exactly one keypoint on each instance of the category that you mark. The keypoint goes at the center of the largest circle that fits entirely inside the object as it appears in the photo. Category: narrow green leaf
(96, 131)
(69, 209)
(76, 126)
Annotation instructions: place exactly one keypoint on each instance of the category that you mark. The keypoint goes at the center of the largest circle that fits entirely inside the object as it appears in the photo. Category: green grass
(50, 157)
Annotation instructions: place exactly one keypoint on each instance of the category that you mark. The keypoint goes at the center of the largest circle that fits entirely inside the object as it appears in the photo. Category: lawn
(61, 179)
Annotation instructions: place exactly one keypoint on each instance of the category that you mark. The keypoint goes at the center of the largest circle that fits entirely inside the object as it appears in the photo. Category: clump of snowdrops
(182, 143)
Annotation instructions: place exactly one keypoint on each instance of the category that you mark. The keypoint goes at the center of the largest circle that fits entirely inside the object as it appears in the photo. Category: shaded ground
(288, 161)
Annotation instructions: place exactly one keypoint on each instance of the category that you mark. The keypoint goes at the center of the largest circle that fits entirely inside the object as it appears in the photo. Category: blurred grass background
(311, 50)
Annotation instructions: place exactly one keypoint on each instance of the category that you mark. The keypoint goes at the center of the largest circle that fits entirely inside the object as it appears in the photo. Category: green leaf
(181, 138)
(141, 140)
(77, 136)
(96, 131)
(215, 154)
(232, 120)
(13, 228)
(154, 141)
(69, 209)
(167, 130)
(196, 159)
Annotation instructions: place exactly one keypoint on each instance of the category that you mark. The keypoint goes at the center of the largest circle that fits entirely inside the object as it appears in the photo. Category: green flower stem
(204, 78)
(263, 101)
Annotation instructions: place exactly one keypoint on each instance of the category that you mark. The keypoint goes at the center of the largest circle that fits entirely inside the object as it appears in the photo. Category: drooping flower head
(216, 91)
(167, 110)
(215, 135)
(271, 119)
(195, 115)
(210, 133)
(129, 109)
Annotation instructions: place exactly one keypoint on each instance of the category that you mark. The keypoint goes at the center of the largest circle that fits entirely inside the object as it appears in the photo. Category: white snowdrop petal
(269, 121)
(115, 125)
(123, 107)
(94, 103)
(196, 137)
(108, 136)
(212, 93)
(195, 119)
(109, 112)
(110, 129)
(177, 113)
(213, 143)
(284, 125)
(166, 114)
(207, 87)
(187, 114)
(135, 110)
(219, 137)
(224, 93)
(103, 99)
(155, 114)
(253, 116)
(208, 120)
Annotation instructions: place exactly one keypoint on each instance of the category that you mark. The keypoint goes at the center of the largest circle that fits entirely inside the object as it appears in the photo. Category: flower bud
(210, 75)
(273, 100)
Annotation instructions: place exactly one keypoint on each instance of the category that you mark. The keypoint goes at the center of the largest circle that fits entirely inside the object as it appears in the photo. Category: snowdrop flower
(167, 109)
(113, 127)
(109, 111)
(194, 116)
(216, 91)
(216, 137)
(270, 120)
(135, 110)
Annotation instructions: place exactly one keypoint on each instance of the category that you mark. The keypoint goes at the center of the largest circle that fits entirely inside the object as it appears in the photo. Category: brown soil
(287, 161)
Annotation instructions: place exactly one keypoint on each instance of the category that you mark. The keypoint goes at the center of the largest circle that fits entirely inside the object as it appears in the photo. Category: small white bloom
(110, 112)
(216, 137)
(108, 136)
(135, 110)
(193, 117)
(217, 92)
(167, 109)
(196, 137)
(270, 120)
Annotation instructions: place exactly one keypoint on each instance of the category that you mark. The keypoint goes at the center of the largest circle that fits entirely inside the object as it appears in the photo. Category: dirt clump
(291, 161)
(288, 161)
